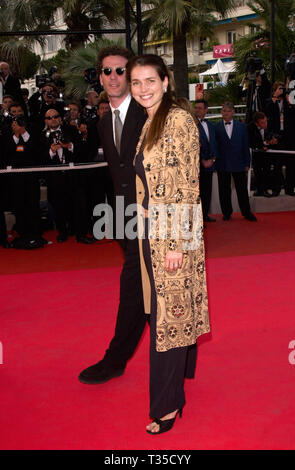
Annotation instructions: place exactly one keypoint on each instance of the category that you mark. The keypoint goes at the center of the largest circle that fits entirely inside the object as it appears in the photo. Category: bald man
(10, 83)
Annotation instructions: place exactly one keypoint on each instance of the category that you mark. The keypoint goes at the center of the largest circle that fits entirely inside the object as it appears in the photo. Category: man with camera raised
(22, 150)
(61, 144)
(258, 89)
(42, 101)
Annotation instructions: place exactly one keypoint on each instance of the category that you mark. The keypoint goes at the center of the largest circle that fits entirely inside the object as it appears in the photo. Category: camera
(91, 77)
(42, 80)
(253, 65)
(290, 66)
(57, 137)
(50, 77)
(20, 120)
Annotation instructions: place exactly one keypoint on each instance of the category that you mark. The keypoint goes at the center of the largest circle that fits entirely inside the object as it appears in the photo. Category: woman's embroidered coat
(176, 223)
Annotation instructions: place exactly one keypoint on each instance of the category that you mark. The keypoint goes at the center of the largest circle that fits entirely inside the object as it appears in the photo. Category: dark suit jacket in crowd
(255, 138)
(234, 153)
(12, 87)
(208, 148)
(71, 134)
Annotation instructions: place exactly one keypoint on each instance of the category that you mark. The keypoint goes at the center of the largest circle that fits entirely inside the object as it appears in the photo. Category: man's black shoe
(99, 374)
(275, 193)
(290, 193)
(207, 218)
(226, 217)
(251, 217)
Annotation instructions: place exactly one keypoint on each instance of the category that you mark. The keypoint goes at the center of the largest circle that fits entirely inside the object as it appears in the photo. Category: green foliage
(220, 94)
(76, 62)
(259, 42)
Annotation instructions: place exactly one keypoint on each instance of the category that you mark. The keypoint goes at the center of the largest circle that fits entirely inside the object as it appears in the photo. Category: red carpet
(55, 322)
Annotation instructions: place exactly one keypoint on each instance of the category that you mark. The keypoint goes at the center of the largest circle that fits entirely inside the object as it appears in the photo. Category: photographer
(280, 114)
(90, 109)
(258, 90)
(61, 144)
(42, 101)
(22, 150)
(260, 139)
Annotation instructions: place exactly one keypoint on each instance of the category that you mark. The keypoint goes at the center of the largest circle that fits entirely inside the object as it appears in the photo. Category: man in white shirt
(119, 131)
(233, 161)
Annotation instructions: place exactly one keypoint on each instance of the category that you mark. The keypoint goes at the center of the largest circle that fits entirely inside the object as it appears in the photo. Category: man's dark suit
(12, 87)
(286, 142)
(64, 189)
(260, 161)
(208, 150)
(25, 187)
(131, 317)
(233, 158)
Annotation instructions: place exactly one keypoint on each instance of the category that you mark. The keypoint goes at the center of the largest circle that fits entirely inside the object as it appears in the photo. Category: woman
(173, 267)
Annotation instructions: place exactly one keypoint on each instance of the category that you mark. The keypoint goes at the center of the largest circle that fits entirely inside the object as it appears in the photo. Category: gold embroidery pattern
(172, 172)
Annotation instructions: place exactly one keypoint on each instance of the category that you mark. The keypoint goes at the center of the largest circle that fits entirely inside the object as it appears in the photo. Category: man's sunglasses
(118, 70)
(56, 116)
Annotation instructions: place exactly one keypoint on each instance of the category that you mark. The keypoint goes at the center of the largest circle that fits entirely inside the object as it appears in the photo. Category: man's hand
(207, 163)
(55, 147)
(67, 145)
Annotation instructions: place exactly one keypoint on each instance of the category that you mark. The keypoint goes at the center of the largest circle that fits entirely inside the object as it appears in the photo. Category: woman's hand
(173, 261)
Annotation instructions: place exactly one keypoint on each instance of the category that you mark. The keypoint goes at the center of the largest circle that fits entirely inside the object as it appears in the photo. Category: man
(280, 115)
(42, 101)
(125, 119)
(260, 139)
(90, 109)
(11, 84)
(233, 161)
(208, 155)
(21, 150)
(61, 144)
(258, 92)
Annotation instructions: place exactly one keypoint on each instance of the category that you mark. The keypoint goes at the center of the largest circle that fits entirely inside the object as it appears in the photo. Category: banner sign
(224, 50)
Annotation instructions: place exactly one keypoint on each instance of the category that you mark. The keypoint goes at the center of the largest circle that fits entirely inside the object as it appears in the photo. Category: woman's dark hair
(169, 97)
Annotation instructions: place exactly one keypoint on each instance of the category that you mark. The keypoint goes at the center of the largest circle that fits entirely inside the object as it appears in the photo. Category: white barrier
(40, 169)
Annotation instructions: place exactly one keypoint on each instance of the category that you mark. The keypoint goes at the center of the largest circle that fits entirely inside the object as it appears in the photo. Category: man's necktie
(227, 123)
(118, 129)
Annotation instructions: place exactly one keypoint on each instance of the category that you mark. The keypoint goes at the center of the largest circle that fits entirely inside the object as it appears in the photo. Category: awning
(220, 69)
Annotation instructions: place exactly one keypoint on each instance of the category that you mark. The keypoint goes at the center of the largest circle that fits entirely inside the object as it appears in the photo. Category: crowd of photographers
(44, 130)
(270, 116)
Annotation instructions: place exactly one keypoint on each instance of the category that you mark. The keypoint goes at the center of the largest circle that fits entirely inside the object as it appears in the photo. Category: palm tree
(13, 49)
(78, 15)
(74, 64)
(181, 19)
(259, 41)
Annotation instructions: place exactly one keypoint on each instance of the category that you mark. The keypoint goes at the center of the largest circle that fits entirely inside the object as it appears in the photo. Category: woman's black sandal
(165, 425)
